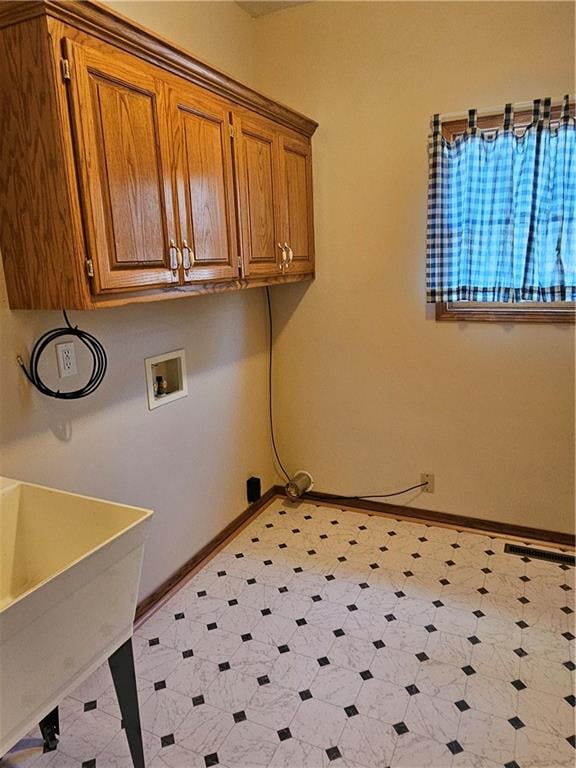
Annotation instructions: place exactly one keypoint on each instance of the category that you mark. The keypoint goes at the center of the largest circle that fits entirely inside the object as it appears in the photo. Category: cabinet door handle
(289, 253)
(283, 260)
(175, 258)
(188, 255)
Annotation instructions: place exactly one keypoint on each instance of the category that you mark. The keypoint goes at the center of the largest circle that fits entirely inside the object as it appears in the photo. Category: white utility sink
(69, 573)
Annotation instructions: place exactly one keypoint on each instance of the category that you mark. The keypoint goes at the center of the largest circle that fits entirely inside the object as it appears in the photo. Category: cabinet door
(257, 172)
(124, 172)
(296, 199)
(201, 147)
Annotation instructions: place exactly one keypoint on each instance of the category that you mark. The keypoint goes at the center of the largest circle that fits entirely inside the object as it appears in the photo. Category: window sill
(502, 313)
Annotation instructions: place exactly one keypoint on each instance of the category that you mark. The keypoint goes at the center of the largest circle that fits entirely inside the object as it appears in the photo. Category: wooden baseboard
(508, 530)
(206, 552)
(443, 518)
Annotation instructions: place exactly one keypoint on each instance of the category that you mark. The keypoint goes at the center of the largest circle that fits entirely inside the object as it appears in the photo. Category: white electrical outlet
(427, 477)
(66, 356)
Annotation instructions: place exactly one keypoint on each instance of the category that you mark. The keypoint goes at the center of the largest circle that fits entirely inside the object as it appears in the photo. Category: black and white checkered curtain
(502, 210)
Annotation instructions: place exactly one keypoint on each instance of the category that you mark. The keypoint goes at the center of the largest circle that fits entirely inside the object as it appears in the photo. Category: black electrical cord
(270, 410)
(95, 348)
(384, 495)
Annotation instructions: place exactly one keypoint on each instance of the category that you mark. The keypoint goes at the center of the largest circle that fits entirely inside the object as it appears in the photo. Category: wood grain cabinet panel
(201, 147)
(123, 171)
(296, 194)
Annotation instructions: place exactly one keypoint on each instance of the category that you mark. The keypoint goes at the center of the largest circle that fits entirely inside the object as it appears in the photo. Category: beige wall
(188, 460)
(371, 390)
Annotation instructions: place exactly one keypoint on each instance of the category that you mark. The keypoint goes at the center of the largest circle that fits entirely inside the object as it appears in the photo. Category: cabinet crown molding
(104, 23)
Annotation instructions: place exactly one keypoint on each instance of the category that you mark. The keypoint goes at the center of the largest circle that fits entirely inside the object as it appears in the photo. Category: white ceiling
(261, 7)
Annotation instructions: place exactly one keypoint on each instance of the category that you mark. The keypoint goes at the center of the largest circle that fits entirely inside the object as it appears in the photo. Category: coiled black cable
(99, 365)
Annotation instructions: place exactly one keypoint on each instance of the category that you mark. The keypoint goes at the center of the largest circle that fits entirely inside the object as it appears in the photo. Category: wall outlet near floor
(427, 477)
(66, 356)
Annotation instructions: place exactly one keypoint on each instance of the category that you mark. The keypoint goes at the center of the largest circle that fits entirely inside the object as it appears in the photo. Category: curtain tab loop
(536, 110)
(435, 124)
(508, 117)
(472, 120)
(565, 114)
(547, 110)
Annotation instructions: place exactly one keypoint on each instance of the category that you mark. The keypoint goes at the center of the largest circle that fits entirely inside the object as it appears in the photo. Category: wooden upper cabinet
(257, 171)
(124, 171)
(204, 180)
(296, 195)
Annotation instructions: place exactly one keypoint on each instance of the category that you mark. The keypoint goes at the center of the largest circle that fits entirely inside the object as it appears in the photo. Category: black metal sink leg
(122, 667)
(50, 729)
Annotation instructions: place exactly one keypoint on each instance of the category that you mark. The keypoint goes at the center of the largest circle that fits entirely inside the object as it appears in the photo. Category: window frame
(557, 312)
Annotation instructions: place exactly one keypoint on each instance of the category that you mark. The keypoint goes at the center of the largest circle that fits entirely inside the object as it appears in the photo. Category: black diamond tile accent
(391, 533)
(250, 581)
(520, 652)
(283, 649)
(246, 637)
(516, 723)
(454, 747)
(523, 600)
(473, 639)
(366, 675)
(269, 525)
(307, 517)
(211, 759)
(400, 728)
(455, 546)
(479, 614)
(390, 617)
(263, 680)
(282, 512)
(167, 740)
(570, 665)
(341, 559)
(298, 570)
(316, 598)
(482, 590)
(90, 705)
(233, 602)
(430, 628)
(362, 528)
(301, 622)
(187, 653)
(238, 555)
(422, 656)
(268, 562)
(566, 609)
(295, 530)
(265, 611)
(305, 695)
(221, 573)
(255, 540)
(568, 635)
(212, 625)
(160, 685)
(323, 661)
(284, 733)
(522, 624)
(89, 763)
(489, 552)
(282, 590)
(352, 607)
(379, 644)
(311, 552)
(333, 753)
(422, 538)
(323, 536)
(416, 555)
(400, 594)
(462, 705)
(334, 522)
(412, 689)
(239, 717)
(444, 582)
(518, 684)
(450, 562)
(512, 764)
(571, 700)
(351, 710)
(383, 549)
(154, 641)
(565, 587)
(571, 740)
(178, 616)
(364, 585)
(202, 593)
(339, 632)
(523, 578)
(564, 567)
(352, 542)
(224, 666)
(438, 603)
(485, 570)
(197, 700)
(329, 577)
(408, 574)
(468, 670)
(374, 566)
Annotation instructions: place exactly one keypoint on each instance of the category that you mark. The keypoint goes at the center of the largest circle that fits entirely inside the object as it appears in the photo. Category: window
(502, 210)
